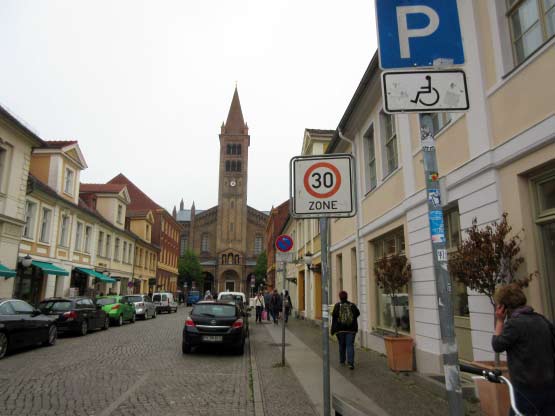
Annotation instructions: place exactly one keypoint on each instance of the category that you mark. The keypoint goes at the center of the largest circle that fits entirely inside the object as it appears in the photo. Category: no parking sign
(322, 186)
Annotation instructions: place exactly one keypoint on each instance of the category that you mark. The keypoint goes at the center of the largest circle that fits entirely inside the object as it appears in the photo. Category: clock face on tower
(232, 183)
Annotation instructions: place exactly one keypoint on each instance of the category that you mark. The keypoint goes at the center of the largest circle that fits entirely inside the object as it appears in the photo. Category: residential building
(16, 144)
(141, 223)
(497, 157)
(228, 237)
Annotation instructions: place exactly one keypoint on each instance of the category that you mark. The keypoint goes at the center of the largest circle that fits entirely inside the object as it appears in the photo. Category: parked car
(118, 309)
(77, 315)
(144, 307)
(193, 297)
(164, 302)
(215, 323)
(21, 325)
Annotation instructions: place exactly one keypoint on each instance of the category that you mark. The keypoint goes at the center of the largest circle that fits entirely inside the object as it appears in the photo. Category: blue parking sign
(413, 33)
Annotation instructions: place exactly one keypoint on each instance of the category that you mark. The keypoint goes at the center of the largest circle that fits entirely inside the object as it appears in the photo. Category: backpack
(345, 314)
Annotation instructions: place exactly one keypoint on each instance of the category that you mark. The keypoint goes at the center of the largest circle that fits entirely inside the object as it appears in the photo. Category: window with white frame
(120, 213)
(100, 247)
(30, 214)
(389, 139)
(69, 181)
(64, 230)
(387, 245)
(124, 257)
(370, 151)
(258, 245)
(116, 249)
(130, 253)
(204, 243)
(46, 220)
(108, 245)
(439, 121)
(87, 242)
(3, 157)
(78, 236)
(531, 22)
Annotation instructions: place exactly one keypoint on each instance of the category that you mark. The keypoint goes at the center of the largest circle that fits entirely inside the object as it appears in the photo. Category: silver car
(144, 308)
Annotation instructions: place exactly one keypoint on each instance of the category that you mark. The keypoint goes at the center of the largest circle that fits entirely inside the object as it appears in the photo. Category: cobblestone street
(137, 369)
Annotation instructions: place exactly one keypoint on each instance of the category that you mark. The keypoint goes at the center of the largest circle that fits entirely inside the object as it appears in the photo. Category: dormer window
(69, 181)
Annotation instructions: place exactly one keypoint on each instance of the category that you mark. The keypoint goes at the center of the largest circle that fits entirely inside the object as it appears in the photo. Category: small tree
(261, 268)
(392, 274)
(189, 269)
(487, 258)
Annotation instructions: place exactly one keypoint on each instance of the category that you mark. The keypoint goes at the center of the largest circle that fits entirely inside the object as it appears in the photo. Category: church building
(229, 237)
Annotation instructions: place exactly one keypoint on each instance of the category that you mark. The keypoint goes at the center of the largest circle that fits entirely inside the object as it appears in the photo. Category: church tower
(232, 193)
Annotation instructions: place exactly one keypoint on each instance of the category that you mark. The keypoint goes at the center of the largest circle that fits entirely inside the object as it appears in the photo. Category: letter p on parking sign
(414, 33)
(322, 186)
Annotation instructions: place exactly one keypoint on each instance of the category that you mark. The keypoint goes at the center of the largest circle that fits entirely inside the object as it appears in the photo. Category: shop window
(531, 22)
(387, 245)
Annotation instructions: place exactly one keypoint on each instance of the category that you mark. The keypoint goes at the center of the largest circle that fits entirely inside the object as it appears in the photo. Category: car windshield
(156, 298)
(193, 293)
(56, 305)
(106, 301)
(218, 311)
(231, 298)
(135, 298)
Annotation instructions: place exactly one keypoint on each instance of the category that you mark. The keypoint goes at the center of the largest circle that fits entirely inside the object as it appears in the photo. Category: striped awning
(5, 272)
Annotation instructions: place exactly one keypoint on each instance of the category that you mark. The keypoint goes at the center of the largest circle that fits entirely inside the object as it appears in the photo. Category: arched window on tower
(233, 165)
(228, 149)
(227, 166)
(236, 259)
(204, 243)
(230, 258)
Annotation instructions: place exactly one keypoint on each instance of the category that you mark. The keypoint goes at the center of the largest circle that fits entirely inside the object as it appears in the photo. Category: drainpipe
(360, 250)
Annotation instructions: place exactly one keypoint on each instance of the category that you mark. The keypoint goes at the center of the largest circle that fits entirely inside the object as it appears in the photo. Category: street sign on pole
(322, 186)
(425, 91)
(284, 243)
(414, 33)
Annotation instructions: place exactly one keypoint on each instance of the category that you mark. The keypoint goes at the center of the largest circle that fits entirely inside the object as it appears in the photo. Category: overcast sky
(145, 85)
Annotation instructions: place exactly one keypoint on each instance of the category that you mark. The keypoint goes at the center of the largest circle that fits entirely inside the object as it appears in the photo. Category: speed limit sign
(322, 186)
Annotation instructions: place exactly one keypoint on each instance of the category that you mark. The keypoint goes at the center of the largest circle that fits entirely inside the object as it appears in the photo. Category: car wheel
(106, 324)
(84, 328)
(3, 344)
(120, 320)
(52, 336)
(186, 348)
(133, 318)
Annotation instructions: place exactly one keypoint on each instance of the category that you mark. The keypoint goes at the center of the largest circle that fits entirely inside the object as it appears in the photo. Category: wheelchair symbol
(427, 89)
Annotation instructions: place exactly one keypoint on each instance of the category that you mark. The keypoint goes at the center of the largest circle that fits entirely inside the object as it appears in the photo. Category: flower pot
(399, 353)
(494, 397)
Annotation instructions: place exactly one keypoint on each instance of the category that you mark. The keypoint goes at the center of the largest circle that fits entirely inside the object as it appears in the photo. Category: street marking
(108, 411)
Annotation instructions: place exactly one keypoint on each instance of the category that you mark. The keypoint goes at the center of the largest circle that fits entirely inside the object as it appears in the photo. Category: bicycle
(494, 376)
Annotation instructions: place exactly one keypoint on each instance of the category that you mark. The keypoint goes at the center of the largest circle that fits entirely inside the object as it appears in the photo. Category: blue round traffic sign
(284, 243)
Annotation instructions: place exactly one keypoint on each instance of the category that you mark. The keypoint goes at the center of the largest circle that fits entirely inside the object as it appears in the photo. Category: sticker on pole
(425, 91)
(322, 186)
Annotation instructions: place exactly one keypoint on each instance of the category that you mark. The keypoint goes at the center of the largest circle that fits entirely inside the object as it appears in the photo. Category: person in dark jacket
(288, 305)
(345, 326)
(529, 340)
(267, 299)
(275, 305)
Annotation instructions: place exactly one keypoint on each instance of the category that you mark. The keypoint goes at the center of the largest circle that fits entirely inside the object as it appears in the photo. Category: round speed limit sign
(322, 186)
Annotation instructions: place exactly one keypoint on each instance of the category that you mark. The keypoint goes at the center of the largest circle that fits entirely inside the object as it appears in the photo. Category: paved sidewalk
(371, 384)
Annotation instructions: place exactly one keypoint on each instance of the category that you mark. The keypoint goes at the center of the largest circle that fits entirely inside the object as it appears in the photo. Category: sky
(144, 86)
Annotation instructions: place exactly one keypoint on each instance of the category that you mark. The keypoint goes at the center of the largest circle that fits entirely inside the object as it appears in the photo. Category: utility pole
(324, 223)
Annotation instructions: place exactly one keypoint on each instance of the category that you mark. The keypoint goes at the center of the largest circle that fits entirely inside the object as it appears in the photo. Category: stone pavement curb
(257, 391)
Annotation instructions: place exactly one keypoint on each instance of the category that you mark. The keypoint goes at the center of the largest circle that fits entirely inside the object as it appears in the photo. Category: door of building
(317, 295)
(230, 286)
(300, 294)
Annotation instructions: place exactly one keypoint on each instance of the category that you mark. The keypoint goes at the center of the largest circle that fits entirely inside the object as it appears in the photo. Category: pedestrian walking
(259, 305)
(345, 326)
(275, 306)
(267, 299)
(288, 305)
(529, 340)
(208, 295)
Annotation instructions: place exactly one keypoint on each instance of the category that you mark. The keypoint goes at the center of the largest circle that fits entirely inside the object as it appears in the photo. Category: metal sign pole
(324, 223)
(443, 281)
(283, 318)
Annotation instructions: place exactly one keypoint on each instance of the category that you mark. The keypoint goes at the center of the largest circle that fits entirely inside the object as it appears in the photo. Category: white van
(231, 296)
(164, 302)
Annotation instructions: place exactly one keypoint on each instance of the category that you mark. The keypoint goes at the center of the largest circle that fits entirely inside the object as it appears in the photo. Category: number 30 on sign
(322, 186)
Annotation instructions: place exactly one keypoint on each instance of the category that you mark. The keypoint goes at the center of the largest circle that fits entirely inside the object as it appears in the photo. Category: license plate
(212, 338)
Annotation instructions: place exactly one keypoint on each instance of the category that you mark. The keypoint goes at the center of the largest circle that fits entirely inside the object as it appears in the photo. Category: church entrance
(230, 281)
(208, 282)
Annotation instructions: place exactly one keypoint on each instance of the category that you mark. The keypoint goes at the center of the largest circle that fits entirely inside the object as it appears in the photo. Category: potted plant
(487, 258)
(392, 274)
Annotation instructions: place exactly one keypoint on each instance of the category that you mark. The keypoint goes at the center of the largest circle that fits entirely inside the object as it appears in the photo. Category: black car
(78, 315)
(215, 323)
(21, 326)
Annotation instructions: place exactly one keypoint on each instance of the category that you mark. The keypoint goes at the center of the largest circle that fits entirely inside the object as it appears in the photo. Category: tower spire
(235, 123)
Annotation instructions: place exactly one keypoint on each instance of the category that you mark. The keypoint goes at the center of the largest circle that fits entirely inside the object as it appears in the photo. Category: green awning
(49, 268)
(5, 272)
(99, 276)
